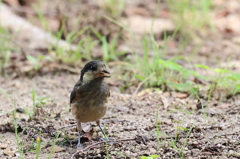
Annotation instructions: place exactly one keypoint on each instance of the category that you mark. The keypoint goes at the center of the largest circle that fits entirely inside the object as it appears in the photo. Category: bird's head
(94, 70)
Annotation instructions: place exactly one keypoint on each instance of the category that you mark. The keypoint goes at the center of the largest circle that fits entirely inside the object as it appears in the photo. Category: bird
(89, 96)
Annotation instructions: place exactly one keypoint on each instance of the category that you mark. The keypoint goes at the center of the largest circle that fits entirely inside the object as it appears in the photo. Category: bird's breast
(90, 104)
(88, 113)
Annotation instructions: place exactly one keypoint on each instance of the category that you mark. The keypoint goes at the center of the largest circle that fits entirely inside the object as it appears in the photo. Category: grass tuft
(191, 16)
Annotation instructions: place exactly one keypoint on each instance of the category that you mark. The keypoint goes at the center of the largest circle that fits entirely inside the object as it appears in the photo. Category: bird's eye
(93, 68)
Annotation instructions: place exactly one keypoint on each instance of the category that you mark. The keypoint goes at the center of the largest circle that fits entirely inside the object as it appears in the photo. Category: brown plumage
(89, 95)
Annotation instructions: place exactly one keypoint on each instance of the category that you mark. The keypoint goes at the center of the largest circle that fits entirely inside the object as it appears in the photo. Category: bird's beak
(104, 73)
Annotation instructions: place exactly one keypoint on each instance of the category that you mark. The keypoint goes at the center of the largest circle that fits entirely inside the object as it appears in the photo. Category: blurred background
(164, 55)
(167, 40)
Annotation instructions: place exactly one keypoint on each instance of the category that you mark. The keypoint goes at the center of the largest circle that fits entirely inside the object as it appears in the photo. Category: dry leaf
(180, 95)
(89, 134)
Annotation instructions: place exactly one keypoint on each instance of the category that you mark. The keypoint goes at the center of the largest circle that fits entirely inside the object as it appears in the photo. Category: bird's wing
(74, 91)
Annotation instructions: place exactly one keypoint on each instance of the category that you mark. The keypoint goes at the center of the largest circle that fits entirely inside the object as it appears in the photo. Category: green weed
(83, 49)
(114, 8)
(167, 73)
(38, 147)
(109, 49)
(75, 52)
(191, 16)
(37, 62)
(150, 157)
(36, 102)
(179, 129)
(7, 47)
(54, 143)
(19, 145)
(158, 128)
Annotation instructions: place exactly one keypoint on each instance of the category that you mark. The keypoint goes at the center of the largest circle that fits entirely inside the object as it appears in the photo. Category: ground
(142, 120)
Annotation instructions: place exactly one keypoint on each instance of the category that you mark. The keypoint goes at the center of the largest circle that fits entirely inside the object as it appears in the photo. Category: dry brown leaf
(89, 134)
(165, 102)
(180, 95)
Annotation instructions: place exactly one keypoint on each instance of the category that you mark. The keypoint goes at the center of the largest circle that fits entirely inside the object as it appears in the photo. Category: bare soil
(163, 123)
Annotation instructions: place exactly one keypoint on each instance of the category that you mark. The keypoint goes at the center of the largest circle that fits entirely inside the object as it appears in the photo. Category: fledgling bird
(89, 95)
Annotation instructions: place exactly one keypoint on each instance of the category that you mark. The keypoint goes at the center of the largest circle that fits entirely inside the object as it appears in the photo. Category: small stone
(4, 146)
(56, 149)
(195, 152)
(20, 110)
(98, 151)
(128, 153)
(8, 152)
(231, 152)
(219, 145)
(60, 139)
(17, 154)
(152, 151)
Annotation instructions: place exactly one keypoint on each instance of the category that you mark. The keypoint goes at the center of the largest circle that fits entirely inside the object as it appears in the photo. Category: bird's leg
(98, 123)
(79, 127)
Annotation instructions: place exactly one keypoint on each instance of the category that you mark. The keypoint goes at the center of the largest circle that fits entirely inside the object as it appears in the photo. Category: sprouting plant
(19, 145)
(109, 49)
(54, 143)
(36, 102)
(150, 157)
(38, 147)
(191, 16)
(114, 8)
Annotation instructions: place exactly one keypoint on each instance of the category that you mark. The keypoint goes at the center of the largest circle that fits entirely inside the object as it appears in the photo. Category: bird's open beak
(104, 73)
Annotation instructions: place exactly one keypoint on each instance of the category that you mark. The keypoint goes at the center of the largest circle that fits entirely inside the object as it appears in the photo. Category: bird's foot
(79, 145)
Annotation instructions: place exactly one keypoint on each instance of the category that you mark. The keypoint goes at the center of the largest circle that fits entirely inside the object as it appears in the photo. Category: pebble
(128, 153)
(98, 151)
(17, 154)
(4, 146)
(60, 139)
(8, 152)
(230, 152)
(152, 151)
(195, 152)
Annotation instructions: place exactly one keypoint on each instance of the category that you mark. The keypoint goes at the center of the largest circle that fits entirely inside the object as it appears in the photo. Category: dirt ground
(140, 122)
(182, 129)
